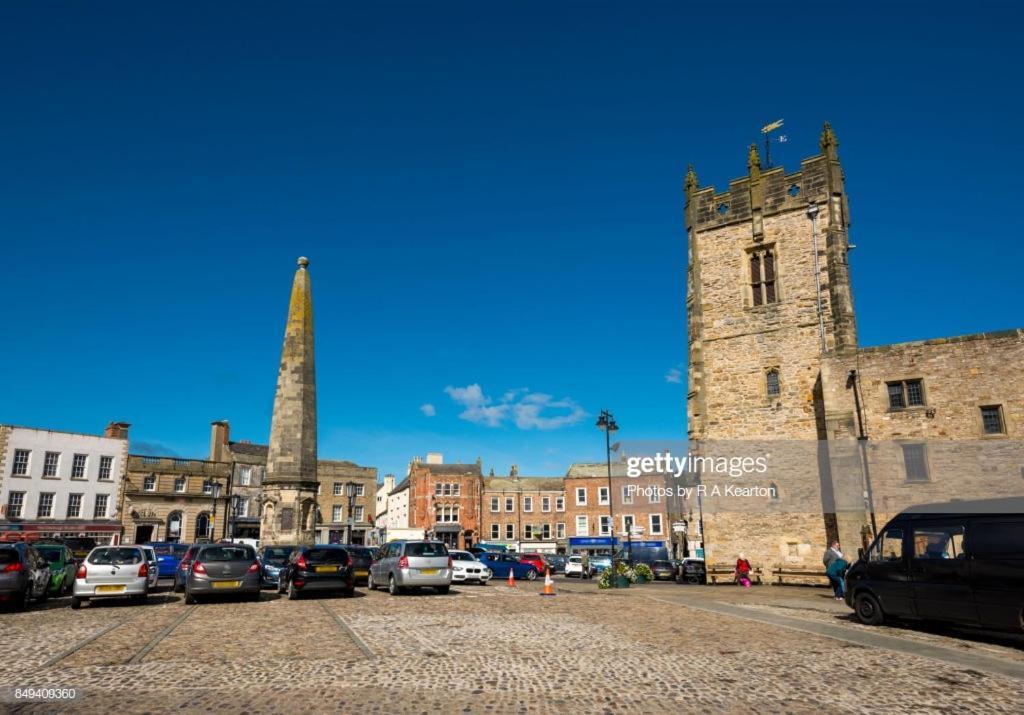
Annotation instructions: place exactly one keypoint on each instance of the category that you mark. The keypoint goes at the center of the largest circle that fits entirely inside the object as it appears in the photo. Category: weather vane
(767, 130)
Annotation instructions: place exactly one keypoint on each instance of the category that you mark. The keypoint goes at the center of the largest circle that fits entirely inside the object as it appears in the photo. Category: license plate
(428, 572)
(227, 584)
(109, 589)
(326, 569)
(362, 573)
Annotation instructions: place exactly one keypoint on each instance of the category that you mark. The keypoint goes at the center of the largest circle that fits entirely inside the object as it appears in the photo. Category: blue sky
(490, 196)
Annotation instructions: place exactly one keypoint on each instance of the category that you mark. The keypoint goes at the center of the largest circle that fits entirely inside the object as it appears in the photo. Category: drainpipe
(812, 213)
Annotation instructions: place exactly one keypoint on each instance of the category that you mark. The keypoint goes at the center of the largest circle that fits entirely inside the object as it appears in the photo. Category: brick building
(524, 513)
(444, 500)
(854, 434)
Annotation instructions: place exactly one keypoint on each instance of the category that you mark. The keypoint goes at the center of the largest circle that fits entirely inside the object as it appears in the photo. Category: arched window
(772, 383)
(203, 526)
(175, 524)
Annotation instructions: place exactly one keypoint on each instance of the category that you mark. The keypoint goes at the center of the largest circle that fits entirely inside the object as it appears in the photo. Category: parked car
(555, 562)
(467, 567)
(960, 562)
(692, 571)
(24, 575)
(535, 560)
(168, 555)
(663, 570)
(112, 572)
(272, 559)
(324, 567)
(181, 575)
(574, 567)
(154, 565)
(501, 564)
(600, 562)
(402, 565)
(80, 545)
(362, 557)
(62, 565)
(222, 568)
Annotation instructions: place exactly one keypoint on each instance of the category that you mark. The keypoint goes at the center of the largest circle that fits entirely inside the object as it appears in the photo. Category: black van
(961, 562)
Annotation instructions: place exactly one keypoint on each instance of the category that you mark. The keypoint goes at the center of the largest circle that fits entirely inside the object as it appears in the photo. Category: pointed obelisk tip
(303, 262)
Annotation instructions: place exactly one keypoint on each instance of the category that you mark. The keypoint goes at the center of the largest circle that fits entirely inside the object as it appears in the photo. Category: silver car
(112, 572)
(154, 565)
(403, 565)
(223, 568)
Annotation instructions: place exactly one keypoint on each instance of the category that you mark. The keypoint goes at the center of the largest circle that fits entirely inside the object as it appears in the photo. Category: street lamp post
(214, 488)
(350, 492)
(606, 422)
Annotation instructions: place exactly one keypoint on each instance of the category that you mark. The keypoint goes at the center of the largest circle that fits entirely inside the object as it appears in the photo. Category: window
(174, 520)
(582, 527)
(545, 531)
(245, 476)
(560, 530)
(939, 542)
(606, 526)
(914, 463)
(510, 504)
(888, 547)
(628, 523)
(456, 489)
(437, 489)
(179, 484)
(627, 494)
(905, 393)
(992, 419)
(602, 495)
(74, 506)
(208, 487)
(20, 467)
(528, 531)
(655, 523)
(762, 277)
(559, 503)
(510, 531)
(360, 490)
(545, 503)
(495, 503)
(447, 491)
(654, 496)
(106, 466)
(45, 508)
(241, 507)
(149, 483)
(336, 514)
(581, 496)
(15, 500)
(527, 503)
(997, 540)
(50, 463)
(99, 510)
(338, 489)
(359, 513)
(771, 379)
(495, 531)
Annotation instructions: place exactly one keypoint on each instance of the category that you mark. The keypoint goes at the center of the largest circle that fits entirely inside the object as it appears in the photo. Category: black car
(663, 570)
(362, 557)
(323, 568)
(24, 575)
(80, 545)
(692, 571)
(960, 562)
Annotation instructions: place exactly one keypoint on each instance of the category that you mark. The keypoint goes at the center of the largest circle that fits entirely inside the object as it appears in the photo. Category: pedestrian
(836, 573)
(832, 554)
(743, 571)
(585, 565)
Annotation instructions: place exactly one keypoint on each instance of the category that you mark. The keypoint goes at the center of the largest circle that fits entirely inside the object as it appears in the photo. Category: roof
(450, 469)
(402, 486)
(595, 469)
(256, 450)
(527, 484)
(1007, 505)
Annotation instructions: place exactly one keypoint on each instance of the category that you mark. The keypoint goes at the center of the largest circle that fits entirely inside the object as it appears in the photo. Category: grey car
(112, 572)
(24, 575)
(404, 565)
(223, 568)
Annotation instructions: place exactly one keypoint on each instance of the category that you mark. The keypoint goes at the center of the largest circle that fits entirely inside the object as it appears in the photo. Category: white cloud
(428, 410)
(674, 375)
(527, 410)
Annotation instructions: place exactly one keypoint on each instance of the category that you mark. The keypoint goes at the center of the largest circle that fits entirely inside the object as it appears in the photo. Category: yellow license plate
(227, 584)
(362, 573)
(109, 589)
(428, 572)
(326, 569)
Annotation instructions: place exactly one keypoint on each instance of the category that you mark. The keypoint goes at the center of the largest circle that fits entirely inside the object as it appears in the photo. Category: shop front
(592, 545)
(448, 534)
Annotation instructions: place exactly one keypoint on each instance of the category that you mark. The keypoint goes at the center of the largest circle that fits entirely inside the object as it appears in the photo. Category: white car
(466, 567)
(112, 572)
(574, 567)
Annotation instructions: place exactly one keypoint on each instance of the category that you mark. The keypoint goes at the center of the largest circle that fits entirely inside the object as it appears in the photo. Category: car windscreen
(179, 550)
(662, 565)
(360, 552)
(9, 556)
(162, 549)
(226, 553)
(277, 554)
(115, 556)
(327, 556)
(426, 549)
(462, 556)
(53, 555)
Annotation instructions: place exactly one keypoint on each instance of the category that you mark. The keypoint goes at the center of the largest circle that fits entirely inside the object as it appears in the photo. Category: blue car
(272, 559)
(501, 564)
(168, 556)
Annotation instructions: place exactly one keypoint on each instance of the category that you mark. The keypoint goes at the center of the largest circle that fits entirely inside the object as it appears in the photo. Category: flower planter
(641, 579)
(621, 581)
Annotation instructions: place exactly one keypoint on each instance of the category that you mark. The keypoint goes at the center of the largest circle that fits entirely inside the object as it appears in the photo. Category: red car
(535, 560)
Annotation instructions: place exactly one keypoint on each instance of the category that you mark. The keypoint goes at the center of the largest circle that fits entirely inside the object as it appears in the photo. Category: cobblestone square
(651, 648)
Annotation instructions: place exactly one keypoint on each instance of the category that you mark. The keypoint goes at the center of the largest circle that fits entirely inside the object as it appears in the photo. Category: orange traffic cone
(511, 578)
(549, 585)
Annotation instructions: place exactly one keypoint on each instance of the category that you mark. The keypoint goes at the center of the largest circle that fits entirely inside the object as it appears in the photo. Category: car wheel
(76, 602)
(255, 597)
(868, 609)
(68, 587)
(443, 589)
(393, 588)
(348, 592)
(189, 598)
(45, 594)
(531, 575)
(369, 582)
(143, 598)
(293, 593)
(24, 598)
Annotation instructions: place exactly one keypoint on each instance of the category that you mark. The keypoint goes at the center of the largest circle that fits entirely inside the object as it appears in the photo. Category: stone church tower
(290, 485)
(768, 295)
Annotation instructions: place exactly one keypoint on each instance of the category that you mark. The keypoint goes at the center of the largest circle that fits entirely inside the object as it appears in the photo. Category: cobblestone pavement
(650, 648)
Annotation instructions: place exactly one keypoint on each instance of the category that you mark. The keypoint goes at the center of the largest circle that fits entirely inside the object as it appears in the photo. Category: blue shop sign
(592, 541)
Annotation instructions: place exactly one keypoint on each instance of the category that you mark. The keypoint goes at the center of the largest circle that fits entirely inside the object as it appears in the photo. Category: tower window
(772, 383)
(905, 393)
(723, 209)
(794, 191)
(762, 277)
(992, 419)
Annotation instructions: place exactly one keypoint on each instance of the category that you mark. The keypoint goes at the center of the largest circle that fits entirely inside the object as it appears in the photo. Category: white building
(397, 517)
(62, 483)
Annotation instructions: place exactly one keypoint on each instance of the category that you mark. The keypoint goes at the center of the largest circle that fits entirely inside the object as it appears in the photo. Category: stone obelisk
(290, 485)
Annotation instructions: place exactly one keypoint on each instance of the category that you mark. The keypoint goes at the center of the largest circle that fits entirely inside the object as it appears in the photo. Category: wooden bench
(782, 572)
(714, 572)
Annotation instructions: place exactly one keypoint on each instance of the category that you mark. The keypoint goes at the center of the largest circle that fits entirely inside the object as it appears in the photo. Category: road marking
(137, 658)
(81, 644)
(351, 633)
(944, 654)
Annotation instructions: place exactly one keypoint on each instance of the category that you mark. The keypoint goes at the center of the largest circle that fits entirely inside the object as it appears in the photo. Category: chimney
(117, 430)
(219, 432)
(435, 458)
(514, 472)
